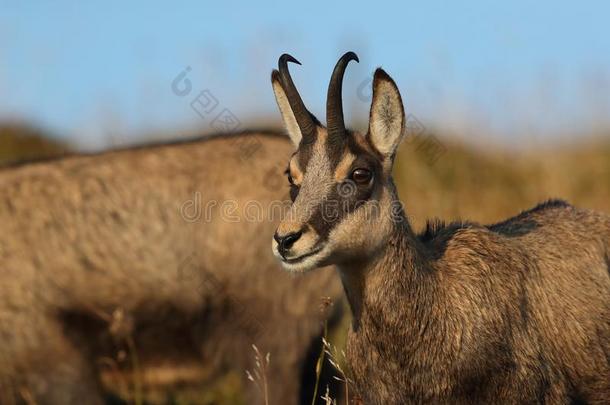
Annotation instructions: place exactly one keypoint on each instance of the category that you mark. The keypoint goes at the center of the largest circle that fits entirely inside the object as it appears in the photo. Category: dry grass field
(464, 182)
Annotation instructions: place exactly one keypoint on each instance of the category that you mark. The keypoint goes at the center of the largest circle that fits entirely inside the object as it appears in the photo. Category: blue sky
(96, 71)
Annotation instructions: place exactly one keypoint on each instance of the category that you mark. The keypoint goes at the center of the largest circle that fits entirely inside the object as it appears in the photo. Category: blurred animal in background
(515, 312)
(150, 257)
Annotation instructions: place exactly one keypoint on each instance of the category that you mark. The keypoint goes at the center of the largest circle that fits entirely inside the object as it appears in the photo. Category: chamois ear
(290, 121)
(387, 117)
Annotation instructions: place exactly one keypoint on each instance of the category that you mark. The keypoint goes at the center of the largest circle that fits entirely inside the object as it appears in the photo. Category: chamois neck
(377, 282)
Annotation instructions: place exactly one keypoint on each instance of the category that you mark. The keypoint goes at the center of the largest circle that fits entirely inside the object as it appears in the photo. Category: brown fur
(517, 312)
(85, 236)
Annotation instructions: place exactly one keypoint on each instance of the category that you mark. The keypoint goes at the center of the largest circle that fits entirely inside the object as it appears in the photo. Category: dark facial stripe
(340, 202)
(346, 196)
(335, 149)
(304, 154)
(335, 208)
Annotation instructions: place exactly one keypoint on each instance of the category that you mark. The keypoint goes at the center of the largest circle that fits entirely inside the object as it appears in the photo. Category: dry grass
(259, 375)
(487, 186)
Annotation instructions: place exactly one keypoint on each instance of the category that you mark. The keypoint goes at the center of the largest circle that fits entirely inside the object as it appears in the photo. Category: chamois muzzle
(284, 243)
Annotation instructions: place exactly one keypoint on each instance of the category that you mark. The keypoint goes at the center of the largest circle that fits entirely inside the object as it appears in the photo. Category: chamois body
(162, 234)
(517, 312)
(512, 313)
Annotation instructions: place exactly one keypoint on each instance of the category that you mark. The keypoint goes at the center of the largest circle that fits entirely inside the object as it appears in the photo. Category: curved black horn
(302, 115)
(334, 100)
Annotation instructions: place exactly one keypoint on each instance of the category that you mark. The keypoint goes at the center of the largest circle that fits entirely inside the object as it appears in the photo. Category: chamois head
(343, 197)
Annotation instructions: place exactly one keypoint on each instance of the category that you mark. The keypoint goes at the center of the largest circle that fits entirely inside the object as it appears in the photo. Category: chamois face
(340, 184)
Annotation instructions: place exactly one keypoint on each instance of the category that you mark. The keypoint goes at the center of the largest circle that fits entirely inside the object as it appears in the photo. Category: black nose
(285, 242)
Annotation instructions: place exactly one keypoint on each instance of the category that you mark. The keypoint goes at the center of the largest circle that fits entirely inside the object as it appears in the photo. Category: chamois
(156, 242)
(516, 312)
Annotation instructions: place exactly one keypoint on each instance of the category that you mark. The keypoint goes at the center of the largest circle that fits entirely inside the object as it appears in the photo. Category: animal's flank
(89, 238)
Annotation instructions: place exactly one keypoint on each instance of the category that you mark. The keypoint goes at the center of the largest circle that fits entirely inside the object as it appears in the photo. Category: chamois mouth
(305, 262)
(301, 258)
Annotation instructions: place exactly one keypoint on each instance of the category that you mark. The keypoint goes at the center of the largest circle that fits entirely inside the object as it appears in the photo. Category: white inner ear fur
(294, 132)
(387, 117)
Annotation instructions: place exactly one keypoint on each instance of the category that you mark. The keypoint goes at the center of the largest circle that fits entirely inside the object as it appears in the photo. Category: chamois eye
(294, 189)
(290, 179)
(362, 176)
